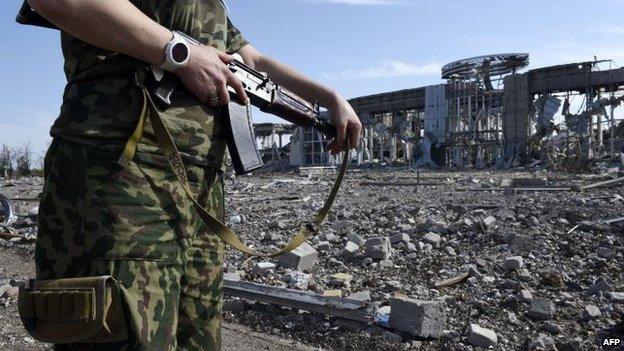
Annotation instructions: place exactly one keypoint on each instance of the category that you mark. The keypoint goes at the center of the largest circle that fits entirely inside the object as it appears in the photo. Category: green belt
(172, 155)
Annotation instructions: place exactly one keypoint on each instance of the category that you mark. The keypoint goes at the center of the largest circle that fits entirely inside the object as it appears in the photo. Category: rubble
(425, 319)
(481, 337)
(527, 274)
(542, 309)
(302, 258)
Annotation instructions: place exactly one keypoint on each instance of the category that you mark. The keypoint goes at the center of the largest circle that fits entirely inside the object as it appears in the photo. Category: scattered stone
(340, 280)
(489, 222)
(601, 285)
(605, 252)
(481, 337)
(351, 249)
(542, 343)
(332, 293)
(514, 263)
(591, 312)
(232, 276)
(433, 239)
(552, 328)
(392, 337)
(425, 319)
(363, 296)
(525, 296)
(302, 258)
(616, 296)
(356, 239)
(279, 225)
(378, 248)
(451, 251)
(263, 268)
(400, 239)
(323, 246)
(553, 279)
(542, 309)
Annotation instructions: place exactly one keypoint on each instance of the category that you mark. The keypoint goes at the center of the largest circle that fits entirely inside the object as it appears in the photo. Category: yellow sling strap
(172, 155)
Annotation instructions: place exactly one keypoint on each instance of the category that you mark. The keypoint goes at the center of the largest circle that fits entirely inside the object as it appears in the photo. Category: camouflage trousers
(135, 223)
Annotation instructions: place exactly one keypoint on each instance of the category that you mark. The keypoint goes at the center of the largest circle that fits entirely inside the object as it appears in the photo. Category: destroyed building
(488, 113)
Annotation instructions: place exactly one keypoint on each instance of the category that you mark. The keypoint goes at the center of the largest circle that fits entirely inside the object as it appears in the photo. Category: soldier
(134, 223)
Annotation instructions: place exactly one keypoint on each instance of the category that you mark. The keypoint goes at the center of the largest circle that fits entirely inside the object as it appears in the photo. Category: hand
(207, 76)
(347, 123)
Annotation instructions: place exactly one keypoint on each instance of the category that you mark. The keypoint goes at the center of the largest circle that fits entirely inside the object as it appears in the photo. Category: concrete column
(393, 149)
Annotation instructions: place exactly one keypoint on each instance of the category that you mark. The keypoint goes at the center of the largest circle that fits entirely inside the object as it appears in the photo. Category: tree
(23, 159)
(6, 161)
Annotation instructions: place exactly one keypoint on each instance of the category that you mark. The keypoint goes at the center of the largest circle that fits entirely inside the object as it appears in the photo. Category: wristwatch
(177, 52)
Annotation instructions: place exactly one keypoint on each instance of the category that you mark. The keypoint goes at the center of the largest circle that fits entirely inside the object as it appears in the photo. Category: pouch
(74, 310)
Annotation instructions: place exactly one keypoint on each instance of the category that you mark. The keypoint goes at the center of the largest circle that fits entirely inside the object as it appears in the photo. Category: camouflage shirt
(101, 104)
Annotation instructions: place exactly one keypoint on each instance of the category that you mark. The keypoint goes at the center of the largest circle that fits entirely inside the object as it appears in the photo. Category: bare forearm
(115, 25)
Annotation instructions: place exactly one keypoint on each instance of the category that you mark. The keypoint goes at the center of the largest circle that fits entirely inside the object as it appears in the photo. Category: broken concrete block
(514, 263)
(525, 296)
(323, 246)
(356, 239)
(350, 249)
(433, 239)
(262, 268)
(591, 312)
(542, 309)
(481, 337)
(425, 319)
(363, 296)
(489, 222)
(332, 293)
(378, 248)
(302, 258)
(616, 296)
(340, 280)
(400, 238)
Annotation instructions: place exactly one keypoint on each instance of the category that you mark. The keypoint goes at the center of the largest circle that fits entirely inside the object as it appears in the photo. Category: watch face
(180, 52)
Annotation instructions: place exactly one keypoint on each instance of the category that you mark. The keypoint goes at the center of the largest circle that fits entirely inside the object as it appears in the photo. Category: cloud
(387, 69)
(361, 2)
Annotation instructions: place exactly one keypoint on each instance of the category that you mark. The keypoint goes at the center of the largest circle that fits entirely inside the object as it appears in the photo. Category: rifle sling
(174, 160)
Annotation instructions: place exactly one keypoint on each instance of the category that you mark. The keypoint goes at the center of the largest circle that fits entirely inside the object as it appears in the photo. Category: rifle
(264, 94)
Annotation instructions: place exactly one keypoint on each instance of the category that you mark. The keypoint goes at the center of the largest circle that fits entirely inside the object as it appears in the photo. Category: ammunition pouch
(75, 310)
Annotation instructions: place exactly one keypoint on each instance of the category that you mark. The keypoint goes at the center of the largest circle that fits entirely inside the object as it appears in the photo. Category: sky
(358, 47)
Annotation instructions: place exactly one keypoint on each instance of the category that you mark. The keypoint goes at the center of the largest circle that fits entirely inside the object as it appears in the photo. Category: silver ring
(213, 100)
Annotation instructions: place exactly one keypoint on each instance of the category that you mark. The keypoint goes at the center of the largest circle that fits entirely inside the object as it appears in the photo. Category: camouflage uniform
(135, 223)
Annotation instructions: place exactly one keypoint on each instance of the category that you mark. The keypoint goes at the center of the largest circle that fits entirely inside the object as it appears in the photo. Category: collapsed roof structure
(487, 113)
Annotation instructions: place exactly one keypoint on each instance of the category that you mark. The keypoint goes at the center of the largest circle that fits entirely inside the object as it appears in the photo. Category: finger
(342, 133)
(238, 88)
(225, 58)
(224, 95)
(209, 94)
(354, 136)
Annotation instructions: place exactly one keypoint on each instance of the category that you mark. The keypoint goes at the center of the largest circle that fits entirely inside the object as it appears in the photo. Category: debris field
(521, 259)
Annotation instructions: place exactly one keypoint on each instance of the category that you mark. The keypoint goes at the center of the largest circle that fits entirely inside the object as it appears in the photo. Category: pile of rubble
(509, 260)
(456, 261)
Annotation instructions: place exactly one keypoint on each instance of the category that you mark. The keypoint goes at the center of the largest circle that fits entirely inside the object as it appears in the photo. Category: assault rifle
(263, 93)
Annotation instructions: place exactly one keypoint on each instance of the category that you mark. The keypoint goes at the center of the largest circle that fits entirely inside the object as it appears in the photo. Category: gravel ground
(522, 250)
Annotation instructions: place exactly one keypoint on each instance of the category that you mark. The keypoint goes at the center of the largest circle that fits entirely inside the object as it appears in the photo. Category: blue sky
(359, 47)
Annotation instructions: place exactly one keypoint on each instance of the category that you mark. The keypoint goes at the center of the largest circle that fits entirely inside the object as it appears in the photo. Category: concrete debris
(481, 337)
(514, 263)
(377, 248)
(542, 309)
(302, 258)
(425, 319)
(519, 275)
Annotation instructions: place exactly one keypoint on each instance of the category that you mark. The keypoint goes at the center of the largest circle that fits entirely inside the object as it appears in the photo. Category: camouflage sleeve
(235, 40)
